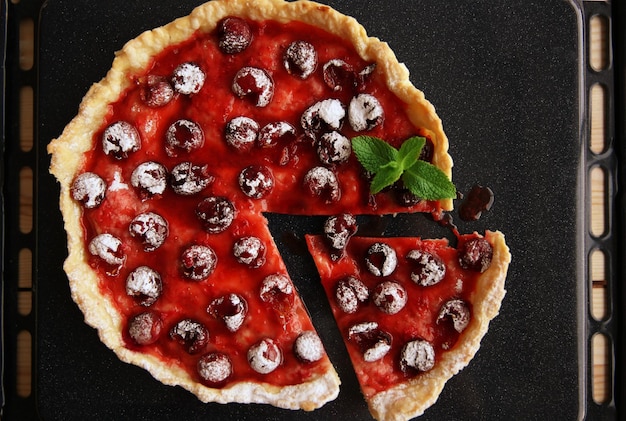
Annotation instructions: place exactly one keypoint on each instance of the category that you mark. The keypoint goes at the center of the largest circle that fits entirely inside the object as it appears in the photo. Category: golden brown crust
(68, 154)
(412, 398)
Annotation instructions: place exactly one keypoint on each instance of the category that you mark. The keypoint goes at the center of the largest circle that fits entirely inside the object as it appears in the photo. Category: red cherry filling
(234, 35)
(277, 290)
(198, 262)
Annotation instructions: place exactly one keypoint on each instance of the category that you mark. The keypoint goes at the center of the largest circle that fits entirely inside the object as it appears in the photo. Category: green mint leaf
(410, 151)
(373, 153)
(386, 176)
(428, 182)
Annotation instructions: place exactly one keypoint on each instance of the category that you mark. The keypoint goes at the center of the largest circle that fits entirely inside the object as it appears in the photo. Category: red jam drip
(417, 320)
(212, 108)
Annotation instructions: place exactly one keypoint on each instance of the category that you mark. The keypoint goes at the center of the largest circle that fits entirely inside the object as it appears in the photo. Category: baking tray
(509, 80)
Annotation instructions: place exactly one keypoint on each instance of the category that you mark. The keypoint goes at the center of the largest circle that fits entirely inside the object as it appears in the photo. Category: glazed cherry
(150, 178)
(151, 228)
(216, 214)
(308, 347)
(255, 84)
(277, 290)
(198, 262)
(188, 78)
(250, 251)
(381, 259)
(300, 59)
(231, 309)
(183, 136)
(351, 293)
(417, 355)
(338, 230)
(215, 368)
(427, 268)
(323, 116)
(108, 248)
(156, 91)
(234, 35)
(365, 112)
(241, 133)
(192, 335)
(338, 75)
(264, 356)
(256, 181)
(456, 311)
(145, 285)
(322, 182)
(390, 297)
(273, 133)
(188, 179)
(145, 328)
(373, 342)
(476, 255)
(333, 148)
(89, 189)
(120, 139)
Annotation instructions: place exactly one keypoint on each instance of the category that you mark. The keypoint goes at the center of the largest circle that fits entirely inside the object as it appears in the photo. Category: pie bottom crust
(412, 398)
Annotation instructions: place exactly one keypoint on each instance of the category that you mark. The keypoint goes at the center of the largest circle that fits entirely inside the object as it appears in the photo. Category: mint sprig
(389, 165)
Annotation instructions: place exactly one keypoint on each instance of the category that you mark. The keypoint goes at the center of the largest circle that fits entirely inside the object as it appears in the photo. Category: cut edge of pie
(67, 157)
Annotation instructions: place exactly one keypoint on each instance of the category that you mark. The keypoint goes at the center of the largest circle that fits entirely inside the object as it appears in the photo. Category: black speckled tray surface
(505, 77)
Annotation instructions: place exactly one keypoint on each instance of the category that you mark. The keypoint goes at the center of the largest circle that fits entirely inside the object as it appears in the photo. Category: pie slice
(411, 311)
(198, 128)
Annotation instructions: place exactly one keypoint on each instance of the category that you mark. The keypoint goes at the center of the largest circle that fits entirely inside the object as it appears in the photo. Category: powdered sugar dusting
(188, 79)
(89, 189)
